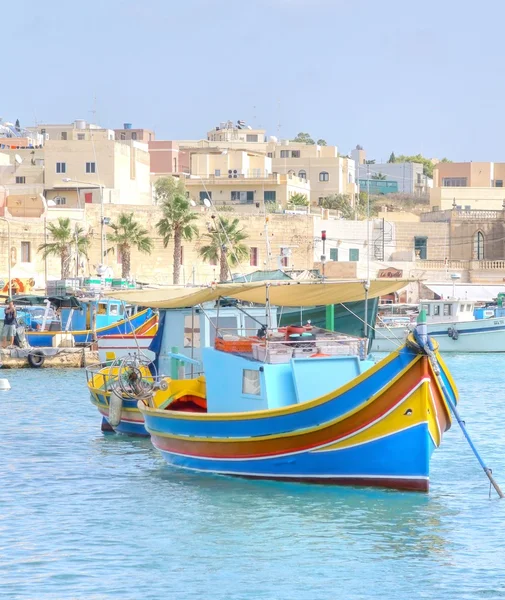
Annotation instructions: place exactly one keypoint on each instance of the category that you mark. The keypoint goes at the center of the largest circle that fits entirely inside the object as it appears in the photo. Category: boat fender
(36, 359)
(115, 408)
(455, 335)
(450, 332)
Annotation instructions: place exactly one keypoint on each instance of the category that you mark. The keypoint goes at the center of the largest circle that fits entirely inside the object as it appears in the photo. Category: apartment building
(84, 163)
(468, 186)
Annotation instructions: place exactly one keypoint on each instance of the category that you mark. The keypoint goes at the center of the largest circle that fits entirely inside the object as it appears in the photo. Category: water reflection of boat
(288, 407)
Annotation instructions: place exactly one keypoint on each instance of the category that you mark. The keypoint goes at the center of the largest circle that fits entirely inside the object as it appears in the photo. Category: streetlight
(102, 221)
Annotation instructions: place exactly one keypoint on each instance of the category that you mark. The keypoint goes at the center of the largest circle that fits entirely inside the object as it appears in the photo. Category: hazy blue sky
(390, 75)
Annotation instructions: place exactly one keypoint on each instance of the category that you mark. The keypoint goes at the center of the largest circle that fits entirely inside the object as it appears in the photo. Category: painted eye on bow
(408, 412)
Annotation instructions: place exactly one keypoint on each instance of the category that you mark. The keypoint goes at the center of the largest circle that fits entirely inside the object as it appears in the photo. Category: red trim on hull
(410, 485)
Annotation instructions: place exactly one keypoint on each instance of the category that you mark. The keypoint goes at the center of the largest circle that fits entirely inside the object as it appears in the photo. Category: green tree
(379, 176)
(225, 245)
(63, 240)
(428, 164)
(17, 125)
(178, 219)
(321, 142)
(128, 234)
(340, 202)
(392, 158)
(298, 200)
(303, 138)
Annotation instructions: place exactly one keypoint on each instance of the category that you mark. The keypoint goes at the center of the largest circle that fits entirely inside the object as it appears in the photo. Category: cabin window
(226, 325)
(251, 382)
(468, 307)
(426, 307)
(114, 309)
(447, 310)
(436, 310)
(191, 334)
(102, 308)
(121, 310)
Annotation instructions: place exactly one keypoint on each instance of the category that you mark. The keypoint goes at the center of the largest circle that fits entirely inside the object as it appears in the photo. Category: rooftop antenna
(93, 110)
(279, 119)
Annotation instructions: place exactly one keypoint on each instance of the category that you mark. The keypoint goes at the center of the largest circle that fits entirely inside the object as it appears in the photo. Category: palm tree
(379, 176)
(178, 218)
(63, 240)
(225, 245)
(129, 233)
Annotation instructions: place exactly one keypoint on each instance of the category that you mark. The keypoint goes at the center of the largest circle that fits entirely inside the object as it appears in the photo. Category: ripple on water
(83, 515)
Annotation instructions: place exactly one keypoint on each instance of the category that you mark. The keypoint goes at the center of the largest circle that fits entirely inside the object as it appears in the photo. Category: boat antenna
(367, 282)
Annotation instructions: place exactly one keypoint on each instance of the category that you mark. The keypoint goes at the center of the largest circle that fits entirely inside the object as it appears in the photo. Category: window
(113, 309)
(427, 307)
(42, 132)
(454, 181)
(436, 310)
(175, 165)
(284, 153)
(324, 176)
(60, 200)
(269, 197)
(21, 179)
(61, 167)
(498, 183)
(90, 167)
(353, 254)
(302, 174)
(447, 310)
(26, 252)
(253, 257)
(134, 135)
(478, 246)
(63, 135)
(122, 136)
(421, 247)
(285, 252)
(251, 137)
(320, 201)
(469, 307)
(251, 382)
(80, 136)
(217, 172)
(295, 154)
(333, 253)
(204, 196)
(270, 155)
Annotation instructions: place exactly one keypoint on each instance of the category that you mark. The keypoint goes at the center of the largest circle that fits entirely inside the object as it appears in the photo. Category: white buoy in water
(4, 385)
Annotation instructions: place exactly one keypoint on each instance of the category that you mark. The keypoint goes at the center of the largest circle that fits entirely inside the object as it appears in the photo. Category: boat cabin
(107, 311)
(442, 311)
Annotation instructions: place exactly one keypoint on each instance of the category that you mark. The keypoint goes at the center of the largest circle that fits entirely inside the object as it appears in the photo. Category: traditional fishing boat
(84, 318)
(312, 408)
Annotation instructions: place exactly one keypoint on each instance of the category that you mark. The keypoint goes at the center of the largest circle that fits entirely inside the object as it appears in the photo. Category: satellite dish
(18, 159)
(192, 202)
(273, 138)
(207, 203)
(249, 127)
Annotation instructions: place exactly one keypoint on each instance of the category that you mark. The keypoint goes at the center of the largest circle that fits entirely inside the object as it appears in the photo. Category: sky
(392, 75)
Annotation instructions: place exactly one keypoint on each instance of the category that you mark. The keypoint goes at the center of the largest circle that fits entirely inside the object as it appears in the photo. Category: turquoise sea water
(88, 516)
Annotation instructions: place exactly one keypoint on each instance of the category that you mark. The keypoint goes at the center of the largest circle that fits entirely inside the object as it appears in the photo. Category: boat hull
(132, 420)
(379, 430)
(123, 327)
(485, 335)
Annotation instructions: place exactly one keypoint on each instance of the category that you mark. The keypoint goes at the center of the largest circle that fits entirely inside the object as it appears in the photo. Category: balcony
(444, 216)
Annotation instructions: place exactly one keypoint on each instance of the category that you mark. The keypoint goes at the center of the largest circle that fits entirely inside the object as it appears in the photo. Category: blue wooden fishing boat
(84, 318)
(310, 409)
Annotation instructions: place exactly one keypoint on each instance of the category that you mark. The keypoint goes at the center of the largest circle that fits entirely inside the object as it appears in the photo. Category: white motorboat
(452, 323)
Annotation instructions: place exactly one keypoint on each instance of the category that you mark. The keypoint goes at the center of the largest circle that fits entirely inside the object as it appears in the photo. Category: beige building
(83, 163)
(327, 172)
(21, 186)
(468, 186)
